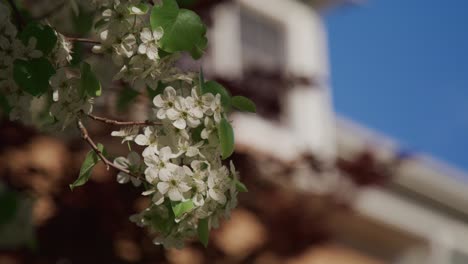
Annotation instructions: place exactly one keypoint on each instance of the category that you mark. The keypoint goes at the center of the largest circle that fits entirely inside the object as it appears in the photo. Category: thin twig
(52, 11)
(123, 123)
(87, 138)
(18, 17)
(83, 40)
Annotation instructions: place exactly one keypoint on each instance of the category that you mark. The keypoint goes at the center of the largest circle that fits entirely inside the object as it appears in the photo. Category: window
(263, 42)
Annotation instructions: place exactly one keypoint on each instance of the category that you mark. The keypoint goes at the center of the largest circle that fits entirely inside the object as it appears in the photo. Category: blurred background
(356, 154)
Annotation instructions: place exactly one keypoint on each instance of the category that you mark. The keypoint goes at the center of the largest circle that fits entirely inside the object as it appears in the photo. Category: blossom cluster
(180, 166)
(178, 169)
(125, 35)
(11, 49)
(64, 99)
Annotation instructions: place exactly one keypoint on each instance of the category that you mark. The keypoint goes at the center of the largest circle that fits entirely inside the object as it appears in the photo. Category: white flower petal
(123, 178)
(175, 195)
(163, 187)
(180, 123)
(142, 140)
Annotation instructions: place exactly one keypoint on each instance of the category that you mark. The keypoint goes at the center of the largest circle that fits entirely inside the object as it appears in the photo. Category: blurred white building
(420, 217)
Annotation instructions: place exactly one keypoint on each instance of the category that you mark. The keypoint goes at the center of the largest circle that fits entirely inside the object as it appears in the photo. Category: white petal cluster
(182, 167)
(66, 102)
(135, 48)
(11, 49)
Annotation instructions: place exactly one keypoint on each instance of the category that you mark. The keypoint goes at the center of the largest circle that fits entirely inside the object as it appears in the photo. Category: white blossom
(182, 114)
(159, 165)
(150, 42)
(165, 102)
(174, 184)
(149, 138)
(126, 133)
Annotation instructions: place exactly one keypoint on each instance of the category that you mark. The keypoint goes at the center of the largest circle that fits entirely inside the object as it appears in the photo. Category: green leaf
(201, 81)
(33, 75)
(180, 208)
(4, 105)
(90, 85)
(216, 88)
(203, 231)
(126, 96)
(138, 9)
(244, 104)
(87, 167)
(226, 138)
(240, 186)
(45, 36)
(183, 29)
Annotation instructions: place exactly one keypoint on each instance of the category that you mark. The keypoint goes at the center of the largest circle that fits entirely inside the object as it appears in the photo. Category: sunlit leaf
(183, 28)
(226, 138)
(244, 104)
(240, 186)
(87, 167)
(182, 208)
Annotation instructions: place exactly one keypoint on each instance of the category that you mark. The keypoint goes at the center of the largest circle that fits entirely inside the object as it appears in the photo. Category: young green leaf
(216, 88)
(203, 231)
(33, 75)
(87, 167)
(44, 35)
(183, 29)
(90, 85)
(182, 208)
(244, 104)
(240, 186)
(226, 138)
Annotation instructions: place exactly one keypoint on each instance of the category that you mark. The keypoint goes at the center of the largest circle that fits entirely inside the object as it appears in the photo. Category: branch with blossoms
(123, 123)
(99, 153)
(186, 138)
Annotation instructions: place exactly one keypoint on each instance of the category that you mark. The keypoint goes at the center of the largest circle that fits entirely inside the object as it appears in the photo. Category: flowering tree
(187, 138)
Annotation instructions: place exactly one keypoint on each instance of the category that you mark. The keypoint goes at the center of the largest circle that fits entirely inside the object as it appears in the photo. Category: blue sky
(401, 67)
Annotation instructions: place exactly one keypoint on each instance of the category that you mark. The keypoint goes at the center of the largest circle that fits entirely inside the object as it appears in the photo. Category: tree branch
(83, 40)
(18, 17)
(87, 138)
(123, 123)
